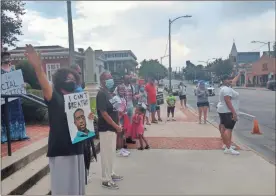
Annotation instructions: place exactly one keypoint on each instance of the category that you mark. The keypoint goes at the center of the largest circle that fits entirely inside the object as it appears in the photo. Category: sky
(143, 27)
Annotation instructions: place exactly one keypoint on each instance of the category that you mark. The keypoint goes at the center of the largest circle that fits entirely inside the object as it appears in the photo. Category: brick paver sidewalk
(35, 133)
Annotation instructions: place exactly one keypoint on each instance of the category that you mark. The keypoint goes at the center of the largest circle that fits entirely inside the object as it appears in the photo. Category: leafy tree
(221, 67)
(152, 68)
(192, 72)
(28, 74)
(11, 25)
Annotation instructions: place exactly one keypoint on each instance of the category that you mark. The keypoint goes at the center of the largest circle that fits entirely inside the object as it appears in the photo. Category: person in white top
(182, 95)
(228, 108)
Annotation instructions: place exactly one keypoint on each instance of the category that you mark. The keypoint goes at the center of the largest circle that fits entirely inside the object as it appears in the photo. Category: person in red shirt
(151, 91)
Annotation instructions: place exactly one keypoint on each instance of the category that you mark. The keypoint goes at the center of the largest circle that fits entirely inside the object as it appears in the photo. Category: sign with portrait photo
(12, 83)
(77, 108)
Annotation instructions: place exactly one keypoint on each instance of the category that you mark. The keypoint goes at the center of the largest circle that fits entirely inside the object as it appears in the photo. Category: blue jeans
(152, 107)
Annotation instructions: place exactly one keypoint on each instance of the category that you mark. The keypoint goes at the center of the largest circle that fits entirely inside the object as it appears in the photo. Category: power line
(166, 47)
(258, 48)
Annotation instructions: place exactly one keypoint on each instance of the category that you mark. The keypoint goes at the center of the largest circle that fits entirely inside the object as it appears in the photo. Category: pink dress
(137, 125)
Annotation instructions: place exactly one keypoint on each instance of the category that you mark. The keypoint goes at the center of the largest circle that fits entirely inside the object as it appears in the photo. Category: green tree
(152, 68)
(11, 23)
(192, 72)
(221, 67)
(28, 74)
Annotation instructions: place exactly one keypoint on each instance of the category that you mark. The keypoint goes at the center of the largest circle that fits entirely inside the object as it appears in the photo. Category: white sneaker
(231, 151)
(173, 119)
(224, 146)
(125, 151)
(121, 153)
(168, 119)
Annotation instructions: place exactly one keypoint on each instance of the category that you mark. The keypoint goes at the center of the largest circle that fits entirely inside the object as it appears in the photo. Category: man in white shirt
(182, 94)
(227, 109)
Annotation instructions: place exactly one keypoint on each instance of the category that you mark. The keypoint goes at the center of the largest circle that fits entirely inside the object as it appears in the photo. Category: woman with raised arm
(66, 161)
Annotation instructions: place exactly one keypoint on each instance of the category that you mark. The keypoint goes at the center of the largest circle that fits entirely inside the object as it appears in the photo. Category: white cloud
(104, 25)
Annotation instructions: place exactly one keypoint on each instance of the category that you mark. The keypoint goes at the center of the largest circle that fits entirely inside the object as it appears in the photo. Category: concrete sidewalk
(186, 158)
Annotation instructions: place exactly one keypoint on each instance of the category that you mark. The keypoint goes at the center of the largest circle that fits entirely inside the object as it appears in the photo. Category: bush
(33, 112)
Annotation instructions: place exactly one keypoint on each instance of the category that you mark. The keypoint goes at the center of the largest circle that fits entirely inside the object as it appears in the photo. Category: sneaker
(125, 151)
(173, 119)
(233, 147)
(116, 177)
(231, 151)
(110, 185)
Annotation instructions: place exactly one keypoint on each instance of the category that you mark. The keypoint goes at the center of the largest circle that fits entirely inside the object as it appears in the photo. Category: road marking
(247, 114)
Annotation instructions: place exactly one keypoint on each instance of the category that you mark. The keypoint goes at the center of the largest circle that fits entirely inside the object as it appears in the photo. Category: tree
(221, 67)
(152, 68)
(28, 74)
(11, 25)
(192, 72)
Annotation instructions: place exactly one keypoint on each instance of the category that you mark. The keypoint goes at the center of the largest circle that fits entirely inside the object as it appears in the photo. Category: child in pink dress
(138, 127)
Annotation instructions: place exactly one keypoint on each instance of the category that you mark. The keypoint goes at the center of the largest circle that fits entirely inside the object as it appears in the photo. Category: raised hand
(32, 56)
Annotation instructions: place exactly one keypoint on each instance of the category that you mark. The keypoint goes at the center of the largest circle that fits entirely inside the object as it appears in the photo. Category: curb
(243, 146)
(261, 89)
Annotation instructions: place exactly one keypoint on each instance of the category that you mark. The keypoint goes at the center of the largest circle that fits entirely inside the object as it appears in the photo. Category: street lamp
(268, 44)
(170, 55)
(161, 58)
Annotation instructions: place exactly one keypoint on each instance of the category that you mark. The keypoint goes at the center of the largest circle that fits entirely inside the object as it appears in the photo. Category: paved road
(258, 103)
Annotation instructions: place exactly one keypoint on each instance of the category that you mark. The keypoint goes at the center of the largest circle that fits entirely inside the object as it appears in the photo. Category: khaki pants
(108, 153)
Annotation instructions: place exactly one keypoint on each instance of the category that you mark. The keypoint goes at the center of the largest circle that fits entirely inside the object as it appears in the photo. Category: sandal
(160, 120)
(147, 147)
(156, 122)
(140, 148)
(148, 124)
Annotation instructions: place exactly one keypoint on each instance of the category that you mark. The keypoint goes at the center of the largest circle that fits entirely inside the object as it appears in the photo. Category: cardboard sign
(12, 83)
(160, 98)
(77, 108)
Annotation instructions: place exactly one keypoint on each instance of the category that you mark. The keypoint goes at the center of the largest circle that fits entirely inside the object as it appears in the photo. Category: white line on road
(247, 114)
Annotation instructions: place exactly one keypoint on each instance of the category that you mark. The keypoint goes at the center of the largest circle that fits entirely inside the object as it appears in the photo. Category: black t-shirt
(59, 141)
(104, 103)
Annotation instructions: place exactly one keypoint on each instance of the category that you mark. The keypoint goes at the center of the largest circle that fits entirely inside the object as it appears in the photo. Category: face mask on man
(69, 86)
(109, 84)
(142, 90)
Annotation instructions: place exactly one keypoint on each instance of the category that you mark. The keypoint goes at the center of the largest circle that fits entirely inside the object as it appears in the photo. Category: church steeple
(234, 50)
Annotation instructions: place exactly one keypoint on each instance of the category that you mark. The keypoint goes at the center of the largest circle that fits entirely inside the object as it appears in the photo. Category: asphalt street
(258, 104)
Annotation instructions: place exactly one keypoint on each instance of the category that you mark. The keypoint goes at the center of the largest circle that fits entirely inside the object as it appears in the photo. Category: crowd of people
(121, 116)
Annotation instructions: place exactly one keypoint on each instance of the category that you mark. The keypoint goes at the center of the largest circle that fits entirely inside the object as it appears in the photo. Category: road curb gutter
(243, 146)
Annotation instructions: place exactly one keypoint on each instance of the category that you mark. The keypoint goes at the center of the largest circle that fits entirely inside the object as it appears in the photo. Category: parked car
(271, 85)
(210, 88)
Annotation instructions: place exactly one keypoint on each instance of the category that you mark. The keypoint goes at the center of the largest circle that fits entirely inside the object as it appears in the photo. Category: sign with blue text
(12, 83)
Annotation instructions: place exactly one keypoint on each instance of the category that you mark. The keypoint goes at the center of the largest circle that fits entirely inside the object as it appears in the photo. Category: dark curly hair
(60, 76)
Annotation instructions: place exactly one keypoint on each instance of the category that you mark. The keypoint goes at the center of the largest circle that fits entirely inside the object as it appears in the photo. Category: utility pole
(70, 34)
(268, 43)
(170, 58)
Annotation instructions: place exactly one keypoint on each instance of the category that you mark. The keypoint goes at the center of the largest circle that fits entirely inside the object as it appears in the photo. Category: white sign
(12, 83)
(77, 108)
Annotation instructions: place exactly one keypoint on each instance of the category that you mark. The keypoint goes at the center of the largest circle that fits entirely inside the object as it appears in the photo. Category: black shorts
(226, 119)
(157, 107)
(170, 110)
(181, 97)
(203, 104)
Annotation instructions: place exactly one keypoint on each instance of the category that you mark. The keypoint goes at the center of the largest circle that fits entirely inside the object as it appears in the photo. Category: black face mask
(69, 86)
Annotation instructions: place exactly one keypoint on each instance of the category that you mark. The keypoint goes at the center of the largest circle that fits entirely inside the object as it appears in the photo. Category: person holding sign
(108, 126)
(16, 116)
(66, 160)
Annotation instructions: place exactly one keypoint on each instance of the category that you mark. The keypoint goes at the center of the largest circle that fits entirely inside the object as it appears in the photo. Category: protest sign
(12, 83)
(77, 108)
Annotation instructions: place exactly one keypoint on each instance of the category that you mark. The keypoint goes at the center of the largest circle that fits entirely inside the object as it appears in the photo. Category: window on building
(51, 68)
(265, 67)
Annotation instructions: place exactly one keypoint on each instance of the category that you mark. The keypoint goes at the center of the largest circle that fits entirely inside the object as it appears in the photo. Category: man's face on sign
(80, 121)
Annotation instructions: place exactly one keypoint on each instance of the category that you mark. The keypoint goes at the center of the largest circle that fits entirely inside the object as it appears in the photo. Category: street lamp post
(70, 34)
(268, 44)
(170, 55)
